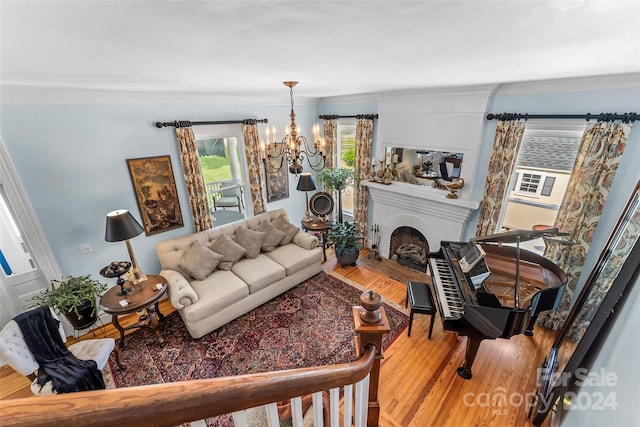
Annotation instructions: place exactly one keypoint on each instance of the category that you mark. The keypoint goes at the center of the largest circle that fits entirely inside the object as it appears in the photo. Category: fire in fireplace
(409, 247)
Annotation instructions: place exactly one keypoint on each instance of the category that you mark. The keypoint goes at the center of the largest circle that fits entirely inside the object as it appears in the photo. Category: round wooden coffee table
(144, 295)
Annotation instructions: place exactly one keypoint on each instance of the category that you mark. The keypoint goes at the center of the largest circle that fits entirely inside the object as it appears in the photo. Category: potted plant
(74, 297)
(337, 179)
(347, 240)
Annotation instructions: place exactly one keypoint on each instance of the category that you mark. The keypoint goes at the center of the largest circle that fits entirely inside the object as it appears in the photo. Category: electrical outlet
(85, 248)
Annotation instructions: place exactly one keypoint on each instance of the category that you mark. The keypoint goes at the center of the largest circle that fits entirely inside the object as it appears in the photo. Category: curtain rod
(605, 117)
(185, 123)
(359, 116)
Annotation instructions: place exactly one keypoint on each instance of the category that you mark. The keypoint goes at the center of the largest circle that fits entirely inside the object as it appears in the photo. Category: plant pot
(348, 256)
(87, 316)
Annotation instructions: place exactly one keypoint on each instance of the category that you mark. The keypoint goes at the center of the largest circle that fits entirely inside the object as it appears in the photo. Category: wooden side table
(323, 228)
(145, 295)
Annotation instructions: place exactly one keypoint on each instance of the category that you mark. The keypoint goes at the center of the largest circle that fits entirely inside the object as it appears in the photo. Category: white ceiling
(248, 48)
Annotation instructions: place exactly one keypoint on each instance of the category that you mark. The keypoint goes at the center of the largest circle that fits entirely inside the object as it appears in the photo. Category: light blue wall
(574, 102)
(71, 160)
(619, 351)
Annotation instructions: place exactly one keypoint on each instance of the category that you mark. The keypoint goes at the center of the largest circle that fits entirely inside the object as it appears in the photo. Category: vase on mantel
(381, 172)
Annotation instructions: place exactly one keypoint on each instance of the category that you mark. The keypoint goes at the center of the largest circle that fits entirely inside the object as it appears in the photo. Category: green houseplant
(347, 240)
(337, 179)
(75, 297)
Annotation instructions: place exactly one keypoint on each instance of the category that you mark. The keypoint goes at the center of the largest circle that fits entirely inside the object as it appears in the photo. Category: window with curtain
(541, 174)
(223, 170)
(346, 157)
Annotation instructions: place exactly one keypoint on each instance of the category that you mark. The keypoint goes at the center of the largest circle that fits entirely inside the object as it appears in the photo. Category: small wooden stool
(419, 294)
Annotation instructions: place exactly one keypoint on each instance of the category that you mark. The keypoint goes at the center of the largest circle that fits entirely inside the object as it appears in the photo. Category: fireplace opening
(409, 247)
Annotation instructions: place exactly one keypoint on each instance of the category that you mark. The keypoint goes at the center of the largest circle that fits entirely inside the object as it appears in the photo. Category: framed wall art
(156, 193)
(277, 182)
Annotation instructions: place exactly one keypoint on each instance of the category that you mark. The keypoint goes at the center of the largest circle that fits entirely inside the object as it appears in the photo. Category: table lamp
(306, 184)
(121, 225)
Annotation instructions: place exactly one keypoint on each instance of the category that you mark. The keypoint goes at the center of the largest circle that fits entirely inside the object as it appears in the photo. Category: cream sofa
(224, 295)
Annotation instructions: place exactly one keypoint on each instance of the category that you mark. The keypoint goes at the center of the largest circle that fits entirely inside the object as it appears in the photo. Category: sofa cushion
(199, 261)
(273, 236)
(259, 272)
(230, 250)
(293, 258)
(289, 230)
(250, 240)
(217, 292)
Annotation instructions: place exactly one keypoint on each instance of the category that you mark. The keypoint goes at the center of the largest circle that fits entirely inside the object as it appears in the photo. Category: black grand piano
(487, 290)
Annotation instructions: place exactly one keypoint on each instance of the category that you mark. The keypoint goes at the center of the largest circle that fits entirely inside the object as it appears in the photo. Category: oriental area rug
(309, 325)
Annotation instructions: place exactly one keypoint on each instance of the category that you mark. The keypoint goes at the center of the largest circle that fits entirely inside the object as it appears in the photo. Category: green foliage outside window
(349, 157)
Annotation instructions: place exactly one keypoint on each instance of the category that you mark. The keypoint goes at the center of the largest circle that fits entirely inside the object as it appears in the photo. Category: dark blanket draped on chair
(68, 373)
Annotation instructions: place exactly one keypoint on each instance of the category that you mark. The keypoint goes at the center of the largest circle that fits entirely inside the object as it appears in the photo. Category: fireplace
(429, 215)
(409, 247)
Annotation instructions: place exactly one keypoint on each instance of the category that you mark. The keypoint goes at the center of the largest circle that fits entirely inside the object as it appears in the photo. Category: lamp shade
(121, 225)
(306, 183)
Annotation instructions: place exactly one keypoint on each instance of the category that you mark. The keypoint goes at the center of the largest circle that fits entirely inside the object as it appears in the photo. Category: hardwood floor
(419, 385)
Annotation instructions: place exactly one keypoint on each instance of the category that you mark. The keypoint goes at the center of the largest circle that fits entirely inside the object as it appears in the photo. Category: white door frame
(29, 227)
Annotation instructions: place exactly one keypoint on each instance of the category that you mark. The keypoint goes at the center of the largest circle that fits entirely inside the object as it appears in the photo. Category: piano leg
(473, 343)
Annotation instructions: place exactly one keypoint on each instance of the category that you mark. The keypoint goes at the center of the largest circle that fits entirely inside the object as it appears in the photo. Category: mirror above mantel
(422, 166)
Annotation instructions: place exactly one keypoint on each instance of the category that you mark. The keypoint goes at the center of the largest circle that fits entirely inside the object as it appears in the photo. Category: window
(346, 158)
(529, 183)
(219, 151)
(547, 187)
(541, 174)
(534, 184)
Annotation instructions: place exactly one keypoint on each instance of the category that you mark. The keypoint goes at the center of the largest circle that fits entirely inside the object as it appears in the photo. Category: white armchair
(15, 353)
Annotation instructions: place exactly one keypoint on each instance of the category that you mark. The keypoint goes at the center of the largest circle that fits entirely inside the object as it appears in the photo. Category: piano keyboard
(446, 288)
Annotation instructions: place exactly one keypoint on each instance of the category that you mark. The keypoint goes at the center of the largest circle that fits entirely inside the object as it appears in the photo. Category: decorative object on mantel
(384, 175)
(455, 185)
(121, 225)
(388, 176)
(293, 147)
(370, 302)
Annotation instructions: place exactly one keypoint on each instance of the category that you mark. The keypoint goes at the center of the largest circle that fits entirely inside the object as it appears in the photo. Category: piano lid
(514, 236)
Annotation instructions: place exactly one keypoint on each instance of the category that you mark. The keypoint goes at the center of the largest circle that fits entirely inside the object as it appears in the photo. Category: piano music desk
(419, 294)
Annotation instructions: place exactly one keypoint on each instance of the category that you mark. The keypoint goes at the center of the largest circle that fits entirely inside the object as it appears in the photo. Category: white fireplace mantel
(426, 209)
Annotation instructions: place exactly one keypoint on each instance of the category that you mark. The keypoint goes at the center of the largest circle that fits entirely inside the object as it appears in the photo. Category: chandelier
(293, 148)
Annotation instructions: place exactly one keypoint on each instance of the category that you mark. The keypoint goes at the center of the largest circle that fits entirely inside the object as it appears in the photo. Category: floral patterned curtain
(193, 177)
(608, 275)
(254, 167)
(330, 133)
(600, 150)
(364, 140)
(506, 146)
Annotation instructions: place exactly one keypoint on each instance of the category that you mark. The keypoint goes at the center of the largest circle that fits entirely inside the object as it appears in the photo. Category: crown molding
(573, 84)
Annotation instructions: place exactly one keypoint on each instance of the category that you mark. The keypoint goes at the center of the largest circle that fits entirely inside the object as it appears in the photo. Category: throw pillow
(273, 236)
(287, 228)
(250, 240)
(230, 250)
(200, 261)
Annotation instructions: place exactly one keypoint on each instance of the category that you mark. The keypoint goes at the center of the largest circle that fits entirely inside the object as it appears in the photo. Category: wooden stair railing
(179, 402)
